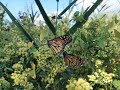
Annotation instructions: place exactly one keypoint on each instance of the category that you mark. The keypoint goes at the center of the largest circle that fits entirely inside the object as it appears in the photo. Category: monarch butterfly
(72, 60)
(58, 44)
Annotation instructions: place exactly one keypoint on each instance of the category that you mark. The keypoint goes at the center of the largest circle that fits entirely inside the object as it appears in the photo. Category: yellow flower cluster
(17, 46)
(98, 63)
(17, 67)
(8, 49)
(48, 65)
(4, 83)
(101, 77)
(41, 55)
(23, 47)
(79, 84)
(21, 79)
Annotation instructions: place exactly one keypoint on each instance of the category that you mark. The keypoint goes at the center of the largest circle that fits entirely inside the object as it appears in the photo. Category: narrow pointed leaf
(117, 34)
(19, 26)
(46, 18)
(86, 9)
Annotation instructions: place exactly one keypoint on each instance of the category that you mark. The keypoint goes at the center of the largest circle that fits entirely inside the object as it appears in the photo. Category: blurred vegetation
(23, 67)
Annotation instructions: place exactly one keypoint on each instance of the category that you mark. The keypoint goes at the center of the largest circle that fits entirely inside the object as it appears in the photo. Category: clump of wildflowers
(4, 84)
(79, 84)
(21, 79)
(18, 67)
(48, 65)
(100, 76)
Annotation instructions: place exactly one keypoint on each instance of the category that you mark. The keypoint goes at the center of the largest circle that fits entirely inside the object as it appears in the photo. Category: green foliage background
(23, 67)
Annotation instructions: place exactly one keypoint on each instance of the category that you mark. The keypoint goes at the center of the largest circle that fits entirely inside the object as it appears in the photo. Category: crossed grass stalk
(71, 31)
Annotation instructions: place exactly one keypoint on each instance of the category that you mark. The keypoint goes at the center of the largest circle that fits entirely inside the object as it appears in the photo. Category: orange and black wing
(67, 39)
(58, 44)
(72, 60)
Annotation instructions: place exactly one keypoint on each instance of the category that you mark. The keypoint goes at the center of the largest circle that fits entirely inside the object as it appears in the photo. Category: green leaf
(118, 70)
(83, 37)
(117, 34)
(78, 17)
(81, 18)
(46, 18)
(19, 26)
(76, 14)
(116, 84)
(42, 35)
(32, 72)
(100, 42)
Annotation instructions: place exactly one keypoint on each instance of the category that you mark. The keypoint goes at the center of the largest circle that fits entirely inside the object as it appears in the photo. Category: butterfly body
(58, 44)
(72, 60)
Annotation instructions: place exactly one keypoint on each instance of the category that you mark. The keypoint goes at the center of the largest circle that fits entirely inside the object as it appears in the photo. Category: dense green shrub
(24, 67)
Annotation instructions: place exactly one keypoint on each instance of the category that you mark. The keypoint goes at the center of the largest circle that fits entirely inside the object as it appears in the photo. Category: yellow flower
(79, 84)
(101, 77)
(98, 63)
(91, 77)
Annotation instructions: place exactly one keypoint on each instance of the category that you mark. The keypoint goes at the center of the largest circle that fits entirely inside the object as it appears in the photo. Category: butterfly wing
(58, 44)
(72, 60)
(67, 39)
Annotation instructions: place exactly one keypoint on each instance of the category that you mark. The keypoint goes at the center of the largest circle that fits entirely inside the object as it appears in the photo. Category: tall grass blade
(86, 9)
(87, 14)
(106, 8)
(19, 26)
(79, 24)
(102, 7)
(33, 15)
(67, 8)
(46, 18)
